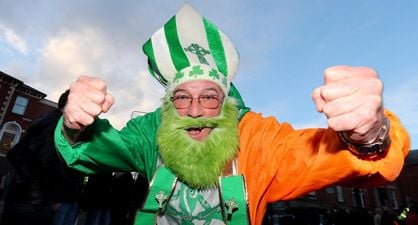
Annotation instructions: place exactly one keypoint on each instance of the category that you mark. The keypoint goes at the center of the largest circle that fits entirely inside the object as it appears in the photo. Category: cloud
(87, 51)
(66, 55)
(12, 39)
(140, 93)
(106, 47)
(89, 39)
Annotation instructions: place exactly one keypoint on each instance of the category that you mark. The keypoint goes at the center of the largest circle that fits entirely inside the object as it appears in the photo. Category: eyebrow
(206, 89)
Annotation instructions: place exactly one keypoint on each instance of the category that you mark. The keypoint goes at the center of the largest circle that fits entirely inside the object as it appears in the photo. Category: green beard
(198, 163)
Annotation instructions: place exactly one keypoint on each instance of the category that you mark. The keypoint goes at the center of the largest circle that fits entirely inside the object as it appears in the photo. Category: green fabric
(215, 45)
(134, 148)
(234, 93)
(178, 56)
(152, 65)
(232, 187)
(163, 182)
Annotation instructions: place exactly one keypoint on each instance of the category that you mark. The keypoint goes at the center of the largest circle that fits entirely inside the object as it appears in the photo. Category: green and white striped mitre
(189, 47)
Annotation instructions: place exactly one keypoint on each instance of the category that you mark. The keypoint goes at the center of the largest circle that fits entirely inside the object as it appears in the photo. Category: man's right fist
(87, 99)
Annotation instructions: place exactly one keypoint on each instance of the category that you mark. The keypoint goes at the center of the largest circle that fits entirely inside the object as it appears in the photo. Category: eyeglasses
(206, 101)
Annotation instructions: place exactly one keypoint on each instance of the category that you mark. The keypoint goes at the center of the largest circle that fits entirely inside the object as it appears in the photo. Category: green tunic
(134, 148)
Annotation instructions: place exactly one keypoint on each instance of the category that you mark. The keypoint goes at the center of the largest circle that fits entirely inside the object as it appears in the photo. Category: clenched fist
(351, 99)
(87, 99)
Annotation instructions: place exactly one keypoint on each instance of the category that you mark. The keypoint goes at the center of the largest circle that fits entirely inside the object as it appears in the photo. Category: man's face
(200, 90)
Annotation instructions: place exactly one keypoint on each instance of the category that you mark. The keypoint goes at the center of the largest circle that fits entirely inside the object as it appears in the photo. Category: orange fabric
(280, 163)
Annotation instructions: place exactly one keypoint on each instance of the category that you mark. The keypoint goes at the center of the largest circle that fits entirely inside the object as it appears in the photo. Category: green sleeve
(133, 148)
(234, 93)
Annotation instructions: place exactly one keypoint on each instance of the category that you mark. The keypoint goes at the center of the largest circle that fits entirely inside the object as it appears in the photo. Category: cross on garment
(231, 205)
(161, 198)
(199, 51)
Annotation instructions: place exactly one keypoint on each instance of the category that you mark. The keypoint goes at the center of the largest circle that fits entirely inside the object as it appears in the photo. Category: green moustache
(189, 122)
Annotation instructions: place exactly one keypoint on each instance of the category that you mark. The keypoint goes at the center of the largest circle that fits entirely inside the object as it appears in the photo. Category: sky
(284, 47)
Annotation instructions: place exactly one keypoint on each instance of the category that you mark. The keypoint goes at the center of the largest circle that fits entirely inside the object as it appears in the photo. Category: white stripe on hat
(189, 21)
(162, 54)
(231, 54)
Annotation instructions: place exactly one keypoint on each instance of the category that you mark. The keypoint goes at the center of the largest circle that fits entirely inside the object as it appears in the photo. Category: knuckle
(377, 85)
(83, 119)
(88, 120)
(70, 109)
(95, 110)
(99, 84)
(333, 124)
(369, 71)
(368, 115)
(328, 74)
(325, 93)
(316, 93)
(71, 98)
(98, 98)
(110, 99)
(74, 86)
(375, 100)
(326, 109)
(331, 70)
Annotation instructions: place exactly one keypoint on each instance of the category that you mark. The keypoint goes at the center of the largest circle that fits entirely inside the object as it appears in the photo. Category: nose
(195, 110)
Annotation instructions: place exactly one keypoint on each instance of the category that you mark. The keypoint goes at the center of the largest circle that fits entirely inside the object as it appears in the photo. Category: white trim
(162, 55)
(231, 56)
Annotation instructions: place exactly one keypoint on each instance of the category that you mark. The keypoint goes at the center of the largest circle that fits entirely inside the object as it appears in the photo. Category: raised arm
(87, 99)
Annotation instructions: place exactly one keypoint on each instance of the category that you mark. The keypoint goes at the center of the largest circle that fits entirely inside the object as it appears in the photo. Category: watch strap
(375, 147)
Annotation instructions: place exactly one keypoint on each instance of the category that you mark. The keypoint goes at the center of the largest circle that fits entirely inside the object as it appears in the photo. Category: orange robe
(280, 163)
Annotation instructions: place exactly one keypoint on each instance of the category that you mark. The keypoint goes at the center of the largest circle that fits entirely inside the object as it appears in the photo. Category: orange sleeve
(281, 163)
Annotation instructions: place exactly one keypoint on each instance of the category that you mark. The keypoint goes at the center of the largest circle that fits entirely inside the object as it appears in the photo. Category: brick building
(20, 105)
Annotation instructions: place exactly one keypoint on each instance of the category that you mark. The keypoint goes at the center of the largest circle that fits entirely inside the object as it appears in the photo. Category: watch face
(372, 149)
(377, 147)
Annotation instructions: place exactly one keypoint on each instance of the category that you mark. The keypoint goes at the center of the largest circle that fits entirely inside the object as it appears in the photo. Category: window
(20, 105)
(357, 196)
(6, 143)
(393, 199)
(340, 194)
(10, 134)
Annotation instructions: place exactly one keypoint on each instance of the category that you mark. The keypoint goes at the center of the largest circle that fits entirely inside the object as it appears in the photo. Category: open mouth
(194, 130)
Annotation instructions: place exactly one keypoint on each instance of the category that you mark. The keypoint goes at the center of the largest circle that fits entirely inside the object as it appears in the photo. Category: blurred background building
(20, 104)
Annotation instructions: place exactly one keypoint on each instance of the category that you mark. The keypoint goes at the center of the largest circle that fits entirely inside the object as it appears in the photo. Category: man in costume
(209, 158)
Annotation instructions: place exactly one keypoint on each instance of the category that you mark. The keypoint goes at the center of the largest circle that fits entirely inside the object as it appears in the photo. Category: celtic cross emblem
(231, 205)
(161, 198)
(199, 51)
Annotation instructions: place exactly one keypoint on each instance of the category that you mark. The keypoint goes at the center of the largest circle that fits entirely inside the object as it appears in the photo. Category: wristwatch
(375, 147)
